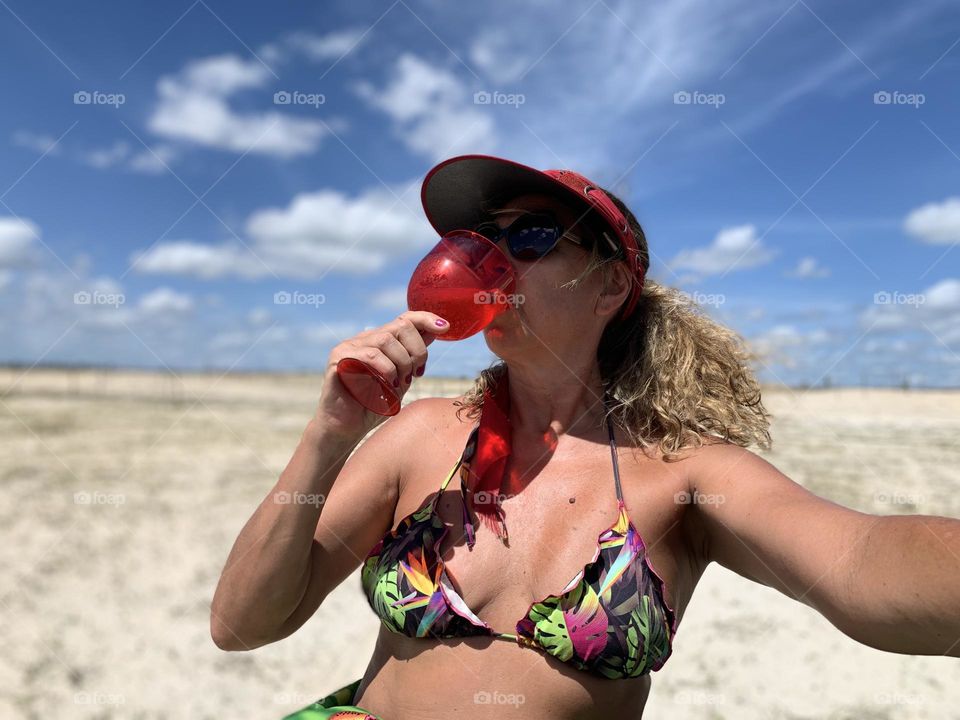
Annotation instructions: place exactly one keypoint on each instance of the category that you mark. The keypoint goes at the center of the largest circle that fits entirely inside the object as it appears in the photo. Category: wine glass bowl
(465, 279)
(368, 386)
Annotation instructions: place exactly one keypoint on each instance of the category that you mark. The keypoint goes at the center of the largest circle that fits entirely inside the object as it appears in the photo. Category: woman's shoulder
(432, 427)
(436, 417)
(438, 409)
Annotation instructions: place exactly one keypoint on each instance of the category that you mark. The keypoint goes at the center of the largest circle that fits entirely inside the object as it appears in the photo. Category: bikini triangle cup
(611, 619)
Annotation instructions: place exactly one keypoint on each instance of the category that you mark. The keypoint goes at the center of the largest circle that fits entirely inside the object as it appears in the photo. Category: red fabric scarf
(487, 467)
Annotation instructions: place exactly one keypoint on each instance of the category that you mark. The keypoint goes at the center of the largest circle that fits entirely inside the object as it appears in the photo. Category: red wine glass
(465, 279)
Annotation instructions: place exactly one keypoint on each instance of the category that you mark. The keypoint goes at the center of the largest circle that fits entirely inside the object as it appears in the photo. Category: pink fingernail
(441, 323)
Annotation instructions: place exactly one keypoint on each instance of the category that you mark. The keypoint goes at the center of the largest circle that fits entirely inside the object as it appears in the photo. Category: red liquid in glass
(458, 307)
(464, 280)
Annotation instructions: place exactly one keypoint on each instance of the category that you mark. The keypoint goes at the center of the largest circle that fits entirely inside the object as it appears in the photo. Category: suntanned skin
(767, 528)
(551, 539)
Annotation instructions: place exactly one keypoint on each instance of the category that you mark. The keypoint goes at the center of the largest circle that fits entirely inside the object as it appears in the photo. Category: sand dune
(123, 491)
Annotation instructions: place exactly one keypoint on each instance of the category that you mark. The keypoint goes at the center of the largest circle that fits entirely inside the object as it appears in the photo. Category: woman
(535, 542)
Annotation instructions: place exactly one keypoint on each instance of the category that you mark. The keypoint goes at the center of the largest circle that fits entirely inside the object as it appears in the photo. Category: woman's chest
(557, 510)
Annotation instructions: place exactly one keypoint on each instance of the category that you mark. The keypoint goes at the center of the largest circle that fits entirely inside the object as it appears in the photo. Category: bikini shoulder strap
(613, 454)
(464, 456)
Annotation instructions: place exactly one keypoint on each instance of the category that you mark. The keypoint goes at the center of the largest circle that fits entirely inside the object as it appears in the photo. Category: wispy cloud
(734, 248)
(808, 268)
(937, 223)
(17, 241)
(327, 47)
(43, 144)
(432, 108)
(194, 106)
(315, 234)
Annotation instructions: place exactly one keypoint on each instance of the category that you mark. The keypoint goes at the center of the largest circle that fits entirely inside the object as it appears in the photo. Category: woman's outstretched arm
(906, 579)
(890, 582)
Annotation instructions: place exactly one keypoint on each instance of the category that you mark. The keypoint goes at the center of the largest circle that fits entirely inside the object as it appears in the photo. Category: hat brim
(456, 192)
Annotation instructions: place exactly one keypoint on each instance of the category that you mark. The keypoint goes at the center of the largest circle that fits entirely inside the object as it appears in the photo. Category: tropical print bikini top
(611, 619)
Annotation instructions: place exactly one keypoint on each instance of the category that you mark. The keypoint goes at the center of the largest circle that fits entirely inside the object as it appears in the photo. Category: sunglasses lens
(533, 237)
(490, 230)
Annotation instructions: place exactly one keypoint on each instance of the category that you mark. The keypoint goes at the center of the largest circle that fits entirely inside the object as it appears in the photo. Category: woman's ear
(616, 288)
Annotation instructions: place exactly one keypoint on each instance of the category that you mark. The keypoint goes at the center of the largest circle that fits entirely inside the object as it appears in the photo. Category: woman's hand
(398, 350)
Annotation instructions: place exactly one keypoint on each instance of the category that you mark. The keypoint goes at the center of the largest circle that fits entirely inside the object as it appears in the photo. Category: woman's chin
(496, 329)
(504, 328)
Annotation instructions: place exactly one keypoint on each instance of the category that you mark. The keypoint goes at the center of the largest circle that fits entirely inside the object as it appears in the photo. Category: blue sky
(796, 167)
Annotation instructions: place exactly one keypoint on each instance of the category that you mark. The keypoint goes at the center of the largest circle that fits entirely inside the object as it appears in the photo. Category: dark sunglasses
(530, 237)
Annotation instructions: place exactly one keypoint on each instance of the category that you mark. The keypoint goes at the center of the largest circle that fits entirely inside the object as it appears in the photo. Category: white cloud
(44, 144)
(52, 301)
(886, 346)
(17, 241)
(156, 327)
(647, 51)
(433, 111)
(183, 257)
(221, 74)
(734, 248)
(944, 296)
(318, 232)
(193, 106)
(163, 300)
(122, 155)
(107, 157)
(830, 67)
(326, 47)
(809, 267)
(492, 53)
(259, 316)
(153, 161)
(935, 223)
(784, 344)
(934, 309)
(328, 229)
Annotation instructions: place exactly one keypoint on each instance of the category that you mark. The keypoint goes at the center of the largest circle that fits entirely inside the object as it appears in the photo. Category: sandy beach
(122, 492)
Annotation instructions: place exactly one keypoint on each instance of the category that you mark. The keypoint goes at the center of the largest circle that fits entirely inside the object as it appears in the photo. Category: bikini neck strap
(608, 402)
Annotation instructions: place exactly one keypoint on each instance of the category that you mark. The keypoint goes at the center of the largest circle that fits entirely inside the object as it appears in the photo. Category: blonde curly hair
(676, 377)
